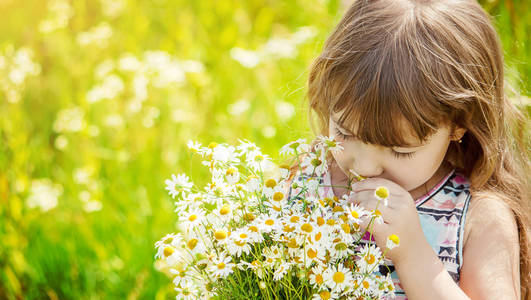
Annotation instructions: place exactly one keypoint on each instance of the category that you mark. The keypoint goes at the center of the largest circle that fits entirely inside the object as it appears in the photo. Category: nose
(366, 162)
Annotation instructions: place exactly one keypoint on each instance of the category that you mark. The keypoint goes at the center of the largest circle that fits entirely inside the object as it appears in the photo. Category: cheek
(419, 169)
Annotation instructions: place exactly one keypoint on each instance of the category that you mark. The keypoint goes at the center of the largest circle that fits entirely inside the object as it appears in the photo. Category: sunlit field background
(98, 100)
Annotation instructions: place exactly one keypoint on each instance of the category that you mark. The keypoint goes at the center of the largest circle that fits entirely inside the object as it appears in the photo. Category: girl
(414, 90)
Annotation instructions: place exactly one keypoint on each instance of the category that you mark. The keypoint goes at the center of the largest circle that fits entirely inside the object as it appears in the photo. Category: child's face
(410, 167)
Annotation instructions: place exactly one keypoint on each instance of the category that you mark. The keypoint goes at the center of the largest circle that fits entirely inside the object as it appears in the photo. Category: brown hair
(429, 63)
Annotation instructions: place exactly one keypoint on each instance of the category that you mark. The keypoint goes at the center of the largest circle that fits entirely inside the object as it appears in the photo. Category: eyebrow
(350, 132)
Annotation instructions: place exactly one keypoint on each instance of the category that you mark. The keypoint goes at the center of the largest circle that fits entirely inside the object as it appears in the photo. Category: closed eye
(343, 136)
(407, 155)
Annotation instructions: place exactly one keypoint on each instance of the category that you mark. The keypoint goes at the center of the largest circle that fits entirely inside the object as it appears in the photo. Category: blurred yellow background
(98, 99)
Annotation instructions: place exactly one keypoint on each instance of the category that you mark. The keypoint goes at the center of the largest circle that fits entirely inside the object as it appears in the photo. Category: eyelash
(343, 136)
(396, 154)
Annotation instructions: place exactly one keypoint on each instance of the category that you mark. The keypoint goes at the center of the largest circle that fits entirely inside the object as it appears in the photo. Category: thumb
(352, 198)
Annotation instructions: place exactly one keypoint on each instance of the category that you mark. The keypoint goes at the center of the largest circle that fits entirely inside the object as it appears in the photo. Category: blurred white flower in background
(16, 65)
(69, 120)
(112, 8)
(111, 87)
(59, 13)
(114, 121)
(285, 110)
(44, 194)
(239, 107)
(97, 35)
(246, 58)
(274, 48)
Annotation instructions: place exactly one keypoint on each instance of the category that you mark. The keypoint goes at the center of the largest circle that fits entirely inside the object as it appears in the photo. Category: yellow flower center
(192, 218)
(278, 196)
(369, 258)
(243, 236)
(366, 284)
(221, 265)
(168, 251)
(316, 162)
(320, 221)
(338, 277)
(311, 253)
(338, 209)
(225, 209)
(191, 244)
(253, 228)
(220, 234)
(382, 192)
(325, 295)
(355, 214)
(345, 227)
(271, 183)
(319, 278)
(212, 145)
(269, 222)
(306, 227)
(231, 171)
(292, 243)
(394, 238)
(331, 222)
(318, 236)
(288, 228)
(294, 219)
(249, 217)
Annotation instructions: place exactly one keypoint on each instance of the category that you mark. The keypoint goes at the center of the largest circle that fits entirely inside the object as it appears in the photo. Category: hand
(399, 216)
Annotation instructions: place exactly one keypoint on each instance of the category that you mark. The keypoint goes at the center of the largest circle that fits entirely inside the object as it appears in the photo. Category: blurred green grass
(98, 99)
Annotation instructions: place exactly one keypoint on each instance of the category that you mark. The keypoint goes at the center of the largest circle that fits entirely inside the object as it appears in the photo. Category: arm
(423, 276)
(490, 260)
(491, 252)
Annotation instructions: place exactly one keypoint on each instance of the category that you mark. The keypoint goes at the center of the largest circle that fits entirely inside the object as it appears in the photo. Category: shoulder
(491, 249)
(488, 209)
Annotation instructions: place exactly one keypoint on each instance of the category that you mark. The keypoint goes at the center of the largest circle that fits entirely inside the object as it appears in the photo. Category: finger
(352, 198)
(374, 183)
(369, 201)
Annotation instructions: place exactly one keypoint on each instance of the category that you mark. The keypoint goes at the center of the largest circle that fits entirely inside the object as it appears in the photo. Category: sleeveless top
(442, 212)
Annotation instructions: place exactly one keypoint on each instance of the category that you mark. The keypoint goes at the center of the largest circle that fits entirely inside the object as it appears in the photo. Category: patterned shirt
(442, 212)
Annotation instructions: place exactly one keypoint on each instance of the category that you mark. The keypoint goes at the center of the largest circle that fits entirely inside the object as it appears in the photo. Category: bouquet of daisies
(259, 230)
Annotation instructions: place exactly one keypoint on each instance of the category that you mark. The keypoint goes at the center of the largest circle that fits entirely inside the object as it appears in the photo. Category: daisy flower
(369, 258)
(392, 241)
(355, 212)
(298, 146)
(232, 175)
(325, 295)
(172, 239)
(183, 275)
(246, 147)
(338, 278)
(191, 219)
(268, 223)
(258, 162)
(223, 154)
(222, 266)
(239, 242)
(317, 276)
(330, 143)
(178, 184)
(193, 145)
(255, 235)
(281, 270)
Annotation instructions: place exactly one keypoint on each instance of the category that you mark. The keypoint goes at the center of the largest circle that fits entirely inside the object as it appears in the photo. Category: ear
(457, 133)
